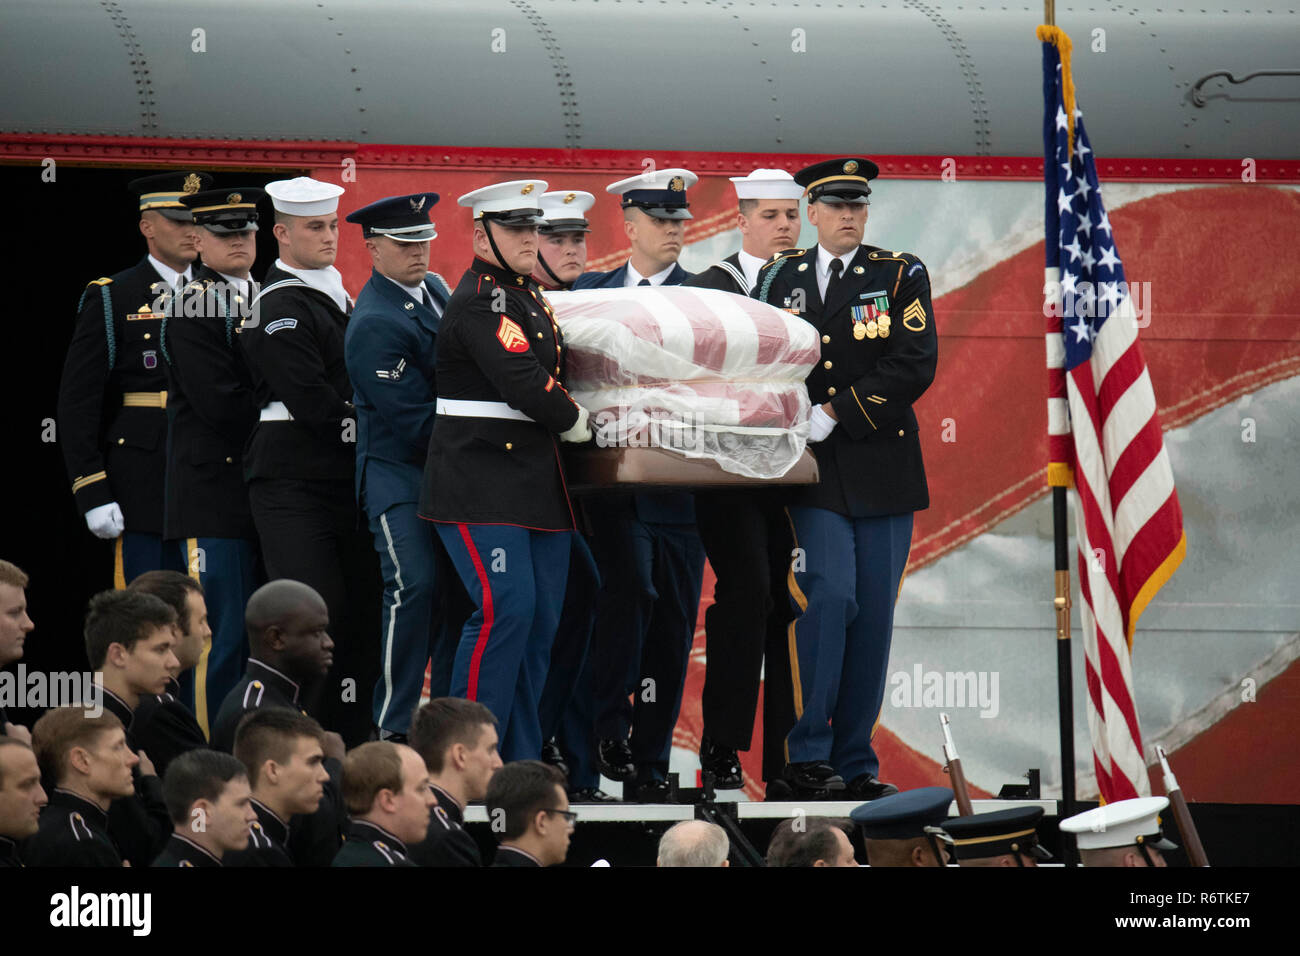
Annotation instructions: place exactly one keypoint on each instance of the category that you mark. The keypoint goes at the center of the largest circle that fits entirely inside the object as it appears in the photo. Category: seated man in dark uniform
(163, 726)
(531, 797)
(291, 648)
(457, 739)
(281, 750)
(211, 806)
(287, 624)
(21, 797)
(130, 638)
(89, 763)
(386, 787)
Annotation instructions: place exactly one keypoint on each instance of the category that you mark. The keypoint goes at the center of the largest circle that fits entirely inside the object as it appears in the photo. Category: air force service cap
(516, 203)
(565, 211)
(902, 816)
(767, 184)
(1134, 822)
(165, 192)
(660, 194)
(223, 211)
(304, 196)
(838, 180)
(400, 218)
(983, 835)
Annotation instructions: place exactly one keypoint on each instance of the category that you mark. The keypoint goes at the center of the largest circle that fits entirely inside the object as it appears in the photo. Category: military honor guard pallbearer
(113, 394)
(650, 557)
(300, 461)
(854, 528)
(391, 350)
(493, 482)
(747, 537)
(211, 410)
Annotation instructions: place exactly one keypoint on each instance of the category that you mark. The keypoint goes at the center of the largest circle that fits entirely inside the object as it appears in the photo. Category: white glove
(580, 431)
(105, 521)
(822, 424)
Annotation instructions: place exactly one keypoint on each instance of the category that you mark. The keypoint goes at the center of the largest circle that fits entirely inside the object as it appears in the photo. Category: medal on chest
(871, 317)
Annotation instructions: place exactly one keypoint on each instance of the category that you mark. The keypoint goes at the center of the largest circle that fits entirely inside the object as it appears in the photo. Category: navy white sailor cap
(516, 203)
(660, 193)
(1122, 823)
(767, 184)
(304, 196)
(400, 218)
(565, 210)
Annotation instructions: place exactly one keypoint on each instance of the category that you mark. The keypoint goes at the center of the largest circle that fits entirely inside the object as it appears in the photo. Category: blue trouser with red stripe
(847, 570)
(516, 580)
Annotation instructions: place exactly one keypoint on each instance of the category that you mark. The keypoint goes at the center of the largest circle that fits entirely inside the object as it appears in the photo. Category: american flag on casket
(701, 372)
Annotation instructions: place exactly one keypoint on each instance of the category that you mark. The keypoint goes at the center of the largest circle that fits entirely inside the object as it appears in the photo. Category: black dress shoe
(652, 791)
(867, 787)
(551, 755)
(813, 780)
(392, 736)
(592, 795)
(723, 763)
(778, 790)
(614, 758)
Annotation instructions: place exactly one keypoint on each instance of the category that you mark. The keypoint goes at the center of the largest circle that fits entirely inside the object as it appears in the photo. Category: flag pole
(1061, 604)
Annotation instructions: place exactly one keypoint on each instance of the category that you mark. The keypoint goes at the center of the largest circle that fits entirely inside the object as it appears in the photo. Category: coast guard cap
(902, 816)
(516, 203)
(983, 835)
(767, 184)
(1122, 823)
(304, 196)
(565, 211)
(165, 192)
(226, 210)
(838, 180)
(660, 194)
(400, 218)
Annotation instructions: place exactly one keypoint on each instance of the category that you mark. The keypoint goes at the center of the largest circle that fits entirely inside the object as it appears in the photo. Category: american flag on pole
(1103, 430)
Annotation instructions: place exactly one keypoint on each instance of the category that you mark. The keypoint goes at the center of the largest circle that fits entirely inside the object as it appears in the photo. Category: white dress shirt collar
(750, 266)
(634, 278)
(169, 275)
(824, 259)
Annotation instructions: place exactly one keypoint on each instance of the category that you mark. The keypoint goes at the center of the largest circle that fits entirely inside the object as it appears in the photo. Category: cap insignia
(677, 184)
(417, 206)
(851, 166)
(192, 184)
(233, 198)
(526, 190)
(570, 197)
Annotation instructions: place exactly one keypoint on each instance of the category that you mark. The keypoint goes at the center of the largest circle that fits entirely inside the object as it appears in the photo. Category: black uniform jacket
(115, 443)
(871, 463)
(509, 856)
(448, 843)
(370, 845)
(293, 344)
(716, 277)
(499, 342)
(314, 838)
(9, 853)
(164, 728)
(73, 832)
(140, 824)
(210, 412)
(182, 851)
(268, 836)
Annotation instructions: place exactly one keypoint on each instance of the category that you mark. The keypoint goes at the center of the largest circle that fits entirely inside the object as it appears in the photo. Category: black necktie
(833, 283)
(643, 282)
(424, 298)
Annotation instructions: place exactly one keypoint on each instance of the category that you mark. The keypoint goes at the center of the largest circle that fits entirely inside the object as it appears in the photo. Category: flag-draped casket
(704, 373)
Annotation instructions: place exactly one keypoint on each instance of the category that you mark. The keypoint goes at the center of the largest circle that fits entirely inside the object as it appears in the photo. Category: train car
(1194, 115)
